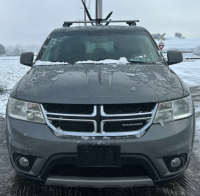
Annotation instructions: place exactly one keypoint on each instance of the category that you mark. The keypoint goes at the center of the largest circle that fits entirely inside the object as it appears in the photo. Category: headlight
(174, 110)
(25, 111)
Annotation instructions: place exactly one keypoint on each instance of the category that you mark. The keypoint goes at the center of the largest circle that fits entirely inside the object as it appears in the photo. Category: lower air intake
(124, 171)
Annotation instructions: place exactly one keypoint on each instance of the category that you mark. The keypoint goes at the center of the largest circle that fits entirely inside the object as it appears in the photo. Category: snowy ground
(181, 44)
(10, 73)
(188, 71)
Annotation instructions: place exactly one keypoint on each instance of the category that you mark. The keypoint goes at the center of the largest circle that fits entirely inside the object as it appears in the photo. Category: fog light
(177, 162)
(23, 162)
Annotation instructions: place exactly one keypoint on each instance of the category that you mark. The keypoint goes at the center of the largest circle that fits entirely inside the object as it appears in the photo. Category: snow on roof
(99, 27)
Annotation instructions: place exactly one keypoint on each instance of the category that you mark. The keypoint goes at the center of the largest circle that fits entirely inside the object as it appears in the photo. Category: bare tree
(2, 49)
(179, 35)
(197, 51)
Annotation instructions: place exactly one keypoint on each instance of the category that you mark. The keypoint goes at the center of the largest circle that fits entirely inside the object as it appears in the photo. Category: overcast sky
(30, 21)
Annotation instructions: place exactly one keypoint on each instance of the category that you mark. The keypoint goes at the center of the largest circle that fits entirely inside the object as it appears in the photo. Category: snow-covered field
(10, 73)
(188, 71)
(181, 44)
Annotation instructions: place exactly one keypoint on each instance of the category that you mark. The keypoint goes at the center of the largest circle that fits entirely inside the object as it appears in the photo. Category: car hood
(99, 84)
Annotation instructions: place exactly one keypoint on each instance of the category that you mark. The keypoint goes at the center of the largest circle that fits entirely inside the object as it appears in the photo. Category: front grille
(99, 120)
(122, 126)
(74, 126)
(124, 171)
(128, 108)
(69, 108)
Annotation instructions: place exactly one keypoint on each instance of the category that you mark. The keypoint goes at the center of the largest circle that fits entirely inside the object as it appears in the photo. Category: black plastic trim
(31, 159)
(126, 159)
(30, 178)
(168, 160)
(163, 181)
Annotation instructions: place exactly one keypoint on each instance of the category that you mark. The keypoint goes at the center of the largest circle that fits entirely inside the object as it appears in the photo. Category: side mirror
(174, 57)
(26, 58)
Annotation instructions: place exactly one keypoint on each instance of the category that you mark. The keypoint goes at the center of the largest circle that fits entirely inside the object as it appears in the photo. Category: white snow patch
(49, 63)
(133, 89)
(121, 61)
(130, 74)
(85, 137)
(60, 71)
(139, 135)
(106, 138)
(59, 132)
(163, 122)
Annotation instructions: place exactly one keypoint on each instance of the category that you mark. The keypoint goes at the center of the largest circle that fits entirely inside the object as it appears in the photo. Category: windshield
(71, 47)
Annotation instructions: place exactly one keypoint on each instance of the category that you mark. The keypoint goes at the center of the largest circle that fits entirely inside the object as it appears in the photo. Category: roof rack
(99, 21)
(129, 22)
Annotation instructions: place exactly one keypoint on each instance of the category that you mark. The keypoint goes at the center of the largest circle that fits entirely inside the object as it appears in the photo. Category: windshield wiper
(106, 59)
(138, 62)
(60, 62)
(143, 62)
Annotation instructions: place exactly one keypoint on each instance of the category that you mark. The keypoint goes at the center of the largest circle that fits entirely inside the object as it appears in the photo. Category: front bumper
(38, 140)
(139, 161)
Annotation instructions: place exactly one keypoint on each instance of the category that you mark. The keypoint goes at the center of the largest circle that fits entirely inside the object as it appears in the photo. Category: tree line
(18, 49)
(178, 35)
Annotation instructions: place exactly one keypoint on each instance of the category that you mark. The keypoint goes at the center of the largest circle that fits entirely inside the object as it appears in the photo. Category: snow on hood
(48, 63)
(121, 61)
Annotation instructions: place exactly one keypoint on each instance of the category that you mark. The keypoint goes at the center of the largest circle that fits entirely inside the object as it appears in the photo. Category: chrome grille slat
(123, 115)
(72, 109)
(49, 117)
(75, 115)
(75, 125)
(127, 109)
(64, 119)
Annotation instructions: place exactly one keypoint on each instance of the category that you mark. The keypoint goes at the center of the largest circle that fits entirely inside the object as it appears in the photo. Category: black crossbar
(129, 22)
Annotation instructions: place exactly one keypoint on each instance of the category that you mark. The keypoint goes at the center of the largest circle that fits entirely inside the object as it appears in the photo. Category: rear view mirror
(26, 58)
(174, 57)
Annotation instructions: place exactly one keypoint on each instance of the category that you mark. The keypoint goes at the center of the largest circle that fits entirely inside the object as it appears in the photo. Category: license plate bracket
(98, 156)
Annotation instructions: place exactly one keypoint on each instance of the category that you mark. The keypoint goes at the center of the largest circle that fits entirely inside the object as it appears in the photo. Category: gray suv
(100, 107)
